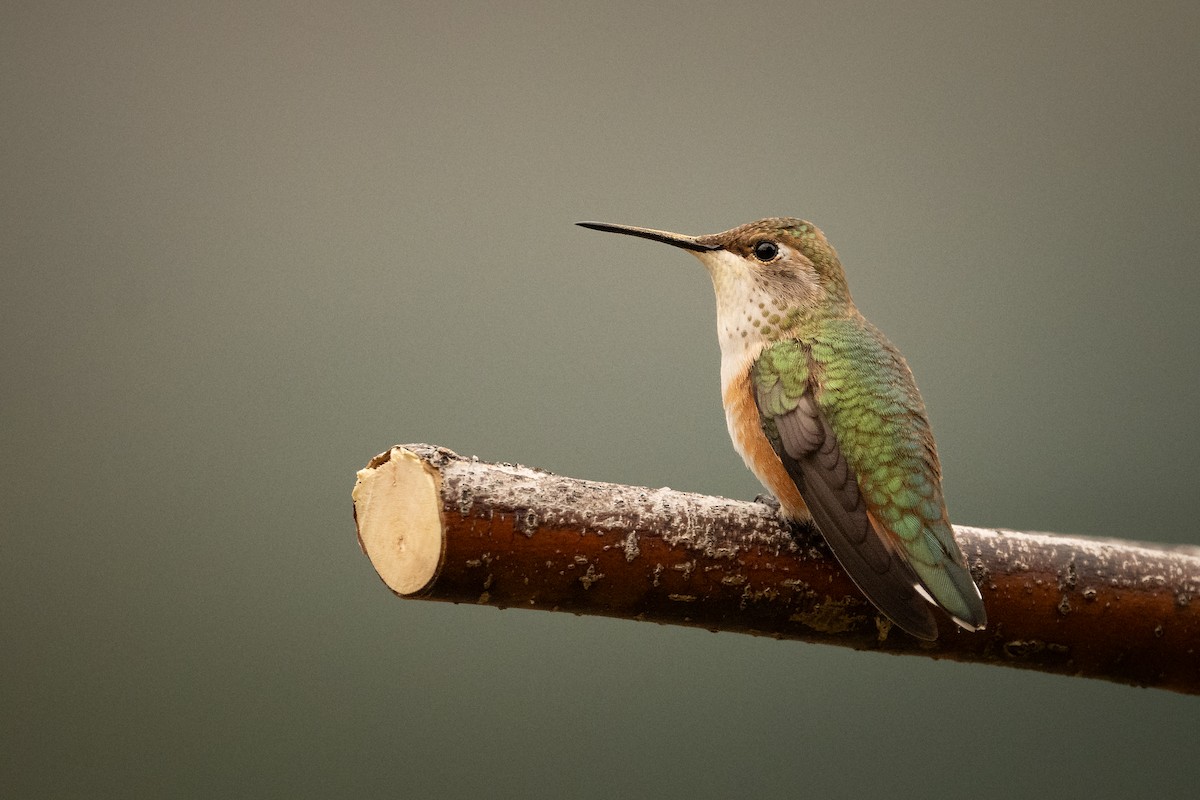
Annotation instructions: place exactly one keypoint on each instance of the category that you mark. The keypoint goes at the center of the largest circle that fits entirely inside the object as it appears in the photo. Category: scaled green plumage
(865, 393)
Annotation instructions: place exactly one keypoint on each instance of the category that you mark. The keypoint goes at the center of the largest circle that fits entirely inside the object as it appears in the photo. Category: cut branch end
(397, 506)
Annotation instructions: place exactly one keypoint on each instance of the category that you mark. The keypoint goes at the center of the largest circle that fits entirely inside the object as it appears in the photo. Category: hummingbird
(825, 412)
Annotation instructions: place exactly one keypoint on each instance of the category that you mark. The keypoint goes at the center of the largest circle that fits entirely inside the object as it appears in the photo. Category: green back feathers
(781, 377)
(865, 392)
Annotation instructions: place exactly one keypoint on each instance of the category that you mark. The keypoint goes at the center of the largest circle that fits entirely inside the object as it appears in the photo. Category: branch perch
(437, 526)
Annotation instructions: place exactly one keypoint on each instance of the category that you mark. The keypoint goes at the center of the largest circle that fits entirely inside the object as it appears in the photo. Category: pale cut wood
(397, 507)
(442, 527)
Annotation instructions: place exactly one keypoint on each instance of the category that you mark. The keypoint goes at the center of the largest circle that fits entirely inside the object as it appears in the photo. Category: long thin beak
(666, 237)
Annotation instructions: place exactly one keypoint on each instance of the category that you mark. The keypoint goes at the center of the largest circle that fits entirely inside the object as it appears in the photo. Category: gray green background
(246, 246)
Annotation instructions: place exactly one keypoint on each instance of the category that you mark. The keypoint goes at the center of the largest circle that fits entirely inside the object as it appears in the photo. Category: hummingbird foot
(770, 501)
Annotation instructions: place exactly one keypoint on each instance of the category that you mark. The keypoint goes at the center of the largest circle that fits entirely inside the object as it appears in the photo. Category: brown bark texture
(515, 537)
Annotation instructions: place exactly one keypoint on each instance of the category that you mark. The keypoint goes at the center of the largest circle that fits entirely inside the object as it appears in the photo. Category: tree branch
(437, 526)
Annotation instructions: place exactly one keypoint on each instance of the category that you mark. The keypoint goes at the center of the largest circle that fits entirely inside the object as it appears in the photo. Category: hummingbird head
(770, 276)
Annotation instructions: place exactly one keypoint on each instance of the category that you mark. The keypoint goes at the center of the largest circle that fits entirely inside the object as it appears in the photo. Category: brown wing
(808, 448)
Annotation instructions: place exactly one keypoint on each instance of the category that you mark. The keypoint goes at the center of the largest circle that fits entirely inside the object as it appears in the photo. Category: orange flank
(741, 413)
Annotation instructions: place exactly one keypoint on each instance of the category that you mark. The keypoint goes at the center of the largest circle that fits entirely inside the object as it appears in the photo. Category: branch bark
(438, 526)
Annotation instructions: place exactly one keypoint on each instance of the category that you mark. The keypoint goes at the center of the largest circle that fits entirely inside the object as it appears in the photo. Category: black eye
(765, 251)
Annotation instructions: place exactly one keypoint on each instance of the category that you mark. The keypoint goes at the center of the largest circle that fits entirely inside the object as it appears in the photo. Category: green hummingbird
(824, 411)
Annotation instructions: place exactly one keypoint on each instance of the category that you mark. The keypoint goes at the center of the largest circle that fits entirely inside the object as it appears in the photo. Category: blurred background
(247, 246)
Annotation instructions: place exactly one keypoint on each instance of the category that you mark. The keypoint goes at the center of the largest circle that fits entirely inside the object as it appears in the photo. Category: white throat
(743, 308)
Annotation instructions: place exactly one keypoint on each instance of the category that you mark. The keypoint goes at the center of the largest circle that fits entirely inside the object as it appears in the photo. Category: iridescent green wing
(808, 447)
(867, 396)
